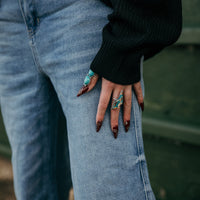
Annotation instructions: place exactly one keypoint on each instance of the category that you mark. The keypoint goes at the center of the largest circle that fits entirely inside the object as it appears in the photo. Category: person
(86, 56)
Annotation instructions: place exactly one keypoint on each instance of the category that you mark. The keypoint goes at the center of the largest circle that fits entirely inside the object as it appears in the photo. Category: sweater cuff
(121, 67)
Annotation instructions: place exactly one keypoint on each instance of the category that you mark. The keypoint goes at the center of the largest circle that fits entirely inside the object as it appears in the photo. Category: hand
(108, 88)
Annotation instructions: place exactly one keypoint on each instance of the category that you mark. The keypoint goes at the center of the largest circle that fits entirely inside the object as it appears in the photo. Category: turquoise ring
(88, 77)
(117, 102)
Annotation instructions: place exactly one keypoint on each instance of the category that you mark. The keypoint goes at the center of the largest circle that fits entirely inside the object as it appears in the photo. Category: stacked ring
(117, 102)
(88, 77)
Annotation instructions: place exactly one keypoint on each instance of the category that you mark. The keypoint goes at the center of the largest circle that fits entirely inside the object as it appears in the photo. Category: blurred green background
(171, 118)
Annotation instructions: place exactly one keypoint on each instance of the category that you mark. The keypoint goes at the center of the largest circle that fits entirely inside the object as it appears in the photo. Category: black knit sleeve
(135, 28)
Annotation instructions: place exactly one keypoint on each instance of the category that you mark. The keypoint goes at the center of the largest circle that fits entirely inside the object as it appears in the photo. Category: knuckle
(128, 93)
(128, 102)
(127, 105)
(140, 98)
(99, 118)
(126, 118)
(100, 114)
(110, 86)
(114, 123)
(103, 105)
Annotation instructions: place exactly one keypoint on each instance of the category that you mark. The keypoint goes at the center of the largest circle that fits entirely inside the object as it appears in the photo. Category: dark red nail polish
(127, 124)
(82, 90)
(142, 106)
(98, 125)
(115, 131)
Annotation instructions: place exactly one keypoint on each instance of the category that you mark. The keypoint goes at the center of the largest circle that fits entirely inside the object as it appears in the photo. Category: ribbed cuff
(116, 66)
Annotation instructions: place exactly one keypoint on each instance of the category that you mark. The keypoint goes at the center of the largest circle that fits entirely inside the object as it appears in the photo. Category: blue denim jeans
(46, 48)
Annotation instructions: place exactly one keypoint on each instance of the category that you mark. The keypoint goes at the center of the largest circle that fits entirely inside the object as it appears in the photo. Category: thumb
(89, 82)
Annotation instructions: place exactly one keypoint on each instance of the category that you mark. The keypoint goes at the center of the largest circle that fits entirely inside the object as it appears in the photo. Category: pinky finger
(138, 91)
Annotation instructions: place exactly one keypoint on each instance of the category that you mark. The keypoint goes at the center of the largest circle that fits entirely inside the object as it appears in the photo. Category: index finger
(103, 104)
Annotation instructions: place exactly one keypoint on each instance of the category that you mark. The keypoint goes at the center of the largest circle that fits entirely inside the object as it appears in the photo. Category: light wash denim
(46, 48)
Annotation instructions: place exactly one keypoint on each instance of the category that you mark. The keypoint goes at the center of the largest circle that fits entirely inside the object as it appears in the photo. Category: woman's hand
(109, 88)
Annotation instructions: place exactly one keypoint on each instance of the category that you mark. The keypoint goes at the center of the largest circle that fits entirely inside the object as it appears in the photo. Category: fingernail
(142, 106)
(127, 124)
(98, 125)
(82, 90)
(115, 131)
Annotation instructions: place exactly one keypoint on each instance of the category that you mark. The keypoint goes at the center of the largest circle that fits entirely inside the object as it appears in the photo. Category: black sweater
(135, 28)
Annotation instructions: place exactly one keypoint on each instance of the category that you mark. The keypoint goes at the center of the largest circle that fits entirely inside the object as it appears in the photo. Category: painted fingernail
(115, 131)
(127, 124)
(82, 90)
(98, 125)
(142, 106)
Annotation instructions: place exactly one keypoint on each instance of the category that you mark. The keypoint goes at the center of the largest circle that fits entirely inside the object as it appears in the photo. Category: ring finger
(115, 112)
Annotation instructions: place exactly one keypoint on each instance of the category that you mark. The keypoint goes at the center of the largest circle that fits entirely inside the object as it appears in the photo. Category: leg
(32, 115)
(102, 167)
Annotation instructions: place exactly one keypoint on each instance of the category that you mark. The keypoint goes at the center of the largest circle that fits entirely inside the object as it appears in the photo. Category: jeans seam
(138, 148)
(35, 57)
(30, 34)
